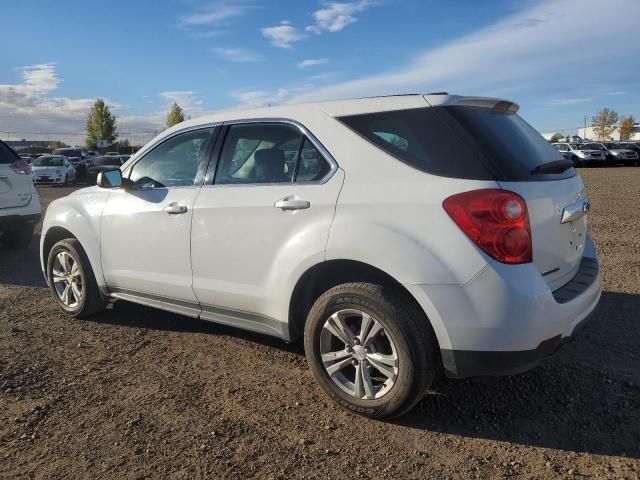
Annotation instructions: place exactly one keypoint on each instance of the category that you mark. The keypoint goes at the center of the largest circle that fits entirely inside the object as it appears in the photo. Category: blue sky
(560, 59)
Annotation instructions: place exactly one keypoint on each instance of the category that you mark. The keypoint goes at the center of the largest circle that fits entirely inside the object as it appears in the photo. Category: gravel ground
(140, 393)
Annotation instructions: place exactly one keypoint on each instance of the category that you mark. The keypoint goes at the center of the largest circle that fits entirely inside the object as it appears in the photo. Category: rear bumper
(506, 320)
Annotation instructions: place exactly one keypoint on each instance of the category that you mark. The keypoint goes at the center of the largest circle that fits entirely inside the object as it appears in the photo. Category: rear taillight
(21, 167)
(497, 221)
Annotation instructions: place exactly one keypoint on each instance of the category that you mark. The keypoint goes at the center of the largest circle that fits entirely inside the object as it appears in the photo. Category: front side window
(265, 153)
(173, 163)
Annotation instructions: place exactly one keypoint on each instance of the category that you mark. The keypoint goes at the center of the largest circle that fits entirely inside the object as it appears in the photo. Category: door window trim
(202, 167)
(305, 132)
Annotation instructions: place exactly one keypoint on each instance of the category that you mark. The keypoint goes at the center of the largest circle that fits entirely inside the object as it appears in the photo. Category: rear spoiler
(498, 105)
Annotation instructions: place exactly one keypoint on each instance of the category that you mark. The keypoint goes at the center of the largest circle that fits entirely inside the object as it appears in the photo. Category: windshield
(115, 161)
(460, 142)
(592, 146)
(48, 162)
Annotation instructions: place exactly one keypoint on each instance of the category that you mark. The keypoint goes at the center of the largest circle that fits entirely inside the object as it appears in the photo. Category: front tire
(71, 280)
(370, 350)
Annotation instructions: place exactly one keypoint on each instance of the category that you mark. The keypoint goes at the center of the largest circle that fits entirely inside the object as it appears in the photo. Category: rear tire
(404, 346)
(17, 239)
(82, 298)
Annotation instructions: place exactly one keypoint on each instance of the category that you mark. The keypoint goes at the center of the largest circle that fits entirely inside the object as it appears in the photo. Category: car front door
(264, 216)
(145, 227)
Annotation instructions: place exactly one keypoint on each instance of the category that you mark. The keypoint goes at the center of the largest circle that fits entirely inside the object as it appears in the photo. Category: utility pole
(584, 133)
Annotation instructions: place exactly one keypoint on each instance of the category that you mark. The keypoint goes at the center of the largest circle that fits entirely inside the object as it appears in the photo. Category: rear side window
(7, 155)
(460, 142)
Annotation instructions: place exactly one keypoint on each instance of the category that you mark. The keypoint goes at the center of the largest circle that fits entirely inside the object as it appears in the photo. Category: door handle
(175, 208)
(292, 204)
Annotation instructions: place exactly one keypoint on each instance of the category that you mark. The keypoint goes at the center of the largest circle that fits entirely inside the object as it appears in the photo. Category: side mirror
(110, 179)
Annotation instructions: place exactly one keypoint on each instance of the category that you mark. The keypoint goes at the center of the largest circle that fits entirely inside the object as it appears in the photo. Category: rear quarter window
(421, 138)
(460, 142)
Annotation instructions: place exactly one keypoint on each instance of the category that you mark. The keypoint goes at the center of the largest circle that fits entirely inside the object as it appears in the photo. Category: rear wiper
(557, 166)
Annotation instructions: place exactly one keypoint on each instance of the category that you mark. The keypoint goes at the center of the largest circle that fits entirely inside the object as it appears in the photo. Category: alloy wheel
(358, 354)
(67, 279)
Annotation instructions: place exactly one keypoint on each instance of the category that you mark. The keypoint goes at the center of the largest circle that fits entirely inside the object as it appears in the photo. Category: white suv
(399, 236)
(19, 203)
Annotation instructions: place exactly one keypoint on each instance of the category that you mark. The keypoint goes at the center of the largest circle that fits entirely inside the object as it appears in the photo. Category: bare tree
(556, 138)
(604, 124)
(626, 127)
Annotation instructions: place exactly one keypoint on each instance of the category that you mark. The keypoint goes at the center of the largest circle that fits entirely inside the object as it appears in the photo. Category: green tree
(626, 127)
(604, 124)
(57, 144)
(175, 116)
(101, 125)
(121, 146)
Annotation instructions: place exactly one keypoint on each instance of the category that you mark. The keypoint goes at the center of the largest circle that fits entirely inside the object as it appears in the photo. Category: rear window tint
(7, 155)
(421, 138)
(460, 142)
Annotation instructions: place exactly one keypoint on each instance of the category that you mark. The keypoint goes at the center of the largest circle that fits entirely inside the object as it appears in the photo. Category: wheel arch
(325, 275)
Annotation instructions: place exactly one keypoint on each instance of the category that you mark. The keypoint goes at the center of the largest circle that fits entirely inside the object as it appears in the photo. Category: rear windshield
(460, 142)
(7, 155)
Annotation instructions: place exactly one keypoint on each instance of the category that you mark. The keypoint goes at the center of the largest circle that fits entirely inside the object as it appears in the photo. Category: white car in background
(584, 154)
(53, 170)
(398, 236)
(19, 203)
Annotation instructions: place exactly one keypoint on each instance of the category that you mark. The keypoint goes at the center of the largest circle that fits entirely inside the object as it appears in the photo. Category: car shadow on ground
(595, 379)
(22, 266)
(132, 315)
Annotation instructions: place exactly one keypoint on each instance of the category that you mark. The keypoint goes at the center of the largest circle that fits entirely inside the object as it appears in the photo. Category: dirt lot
(139, 393)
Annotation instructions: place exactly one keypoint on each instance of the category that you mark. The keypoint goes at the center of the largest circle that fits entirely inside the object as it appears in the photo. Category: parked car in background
(19, 203)
(622, 154)
(102, 164)
(53, 170)
(635, 146)
(80, 153)
(421, 234)
(111, 154)
(584, 154)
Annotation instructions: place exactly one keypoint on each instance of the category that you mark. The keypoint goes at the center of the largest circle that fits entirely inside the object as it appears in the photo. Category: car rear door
(16, 187)
(266, 213)
(145, 246)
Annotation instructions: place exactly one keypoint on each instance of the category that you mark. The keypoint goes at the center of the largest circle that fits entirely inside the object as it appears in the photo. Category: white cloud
(283, 35)
(237, 55)
(534, 47)
(312, 62)
(337, 15)
(30, 109)
(215, 13)
(261, 98)
(560, 102)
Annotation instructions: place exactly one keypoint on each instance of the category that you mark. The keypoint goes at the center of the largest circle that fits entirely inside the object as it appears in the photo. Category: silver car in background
(622, 153)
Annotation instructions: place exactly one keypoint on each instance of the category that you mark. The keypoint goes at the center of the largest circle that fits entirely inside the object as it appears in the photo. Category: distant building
(635, 135)
(18, 145)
